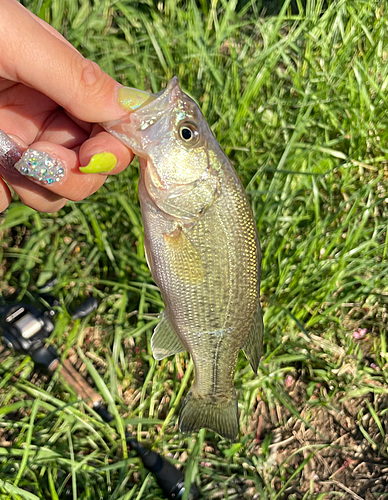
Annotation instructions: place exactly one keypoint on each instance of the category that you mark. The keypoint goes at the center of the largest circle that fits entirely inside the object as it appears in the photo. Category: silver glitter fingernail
(10, 152)
(40, 166)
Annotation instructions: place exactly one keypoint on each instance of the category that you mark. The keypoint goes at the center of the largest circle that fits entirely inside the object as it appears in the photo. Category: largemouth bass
(202, 249)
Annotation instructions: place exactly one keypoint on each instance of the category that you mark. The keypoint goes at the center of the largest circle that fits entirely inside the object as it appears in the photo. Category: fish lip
(159, 96)
(169, 92)
(167, 97)
(130, 129)
(172, 84)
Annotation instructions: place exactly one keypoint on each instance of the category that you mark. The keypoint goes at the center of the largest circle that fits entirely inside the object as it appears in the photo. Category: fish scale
(202, 248)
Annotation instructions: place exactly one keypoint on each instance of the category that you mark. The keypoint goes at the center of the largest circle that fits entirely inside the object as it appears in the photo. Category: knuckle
(88, 186)
(54, 207)
(91, 74)
(77, 196)
(90, 83)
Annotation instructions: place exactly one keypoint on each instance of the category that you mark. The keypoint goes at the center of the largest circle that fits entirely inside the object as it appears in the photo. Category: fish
(202, 248)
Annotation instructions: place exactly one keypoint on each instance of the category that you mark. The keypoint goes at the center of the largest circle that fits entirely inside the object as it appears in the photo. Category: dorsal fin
(254, 343)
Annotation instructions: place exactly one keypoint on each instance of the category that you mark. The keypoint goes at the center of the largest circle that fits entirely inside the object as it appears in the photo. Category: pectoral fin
(165, 342)
(148, 257)
(254, 343)
(183, 257)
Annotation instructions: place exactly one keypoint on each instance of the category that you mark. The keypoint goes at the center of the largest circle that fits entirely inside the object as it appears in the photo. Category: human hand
(51, 99)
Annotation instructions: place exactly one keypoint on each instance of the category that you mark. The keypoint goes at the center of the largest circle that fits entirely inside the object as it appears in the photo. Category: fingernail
(131, 99)
(101, 163)
(40, 166)
(10, 152)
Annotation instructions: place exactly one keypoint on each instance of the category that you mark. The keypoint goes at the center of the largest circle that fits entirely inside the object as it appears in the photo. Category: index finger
(31, 55)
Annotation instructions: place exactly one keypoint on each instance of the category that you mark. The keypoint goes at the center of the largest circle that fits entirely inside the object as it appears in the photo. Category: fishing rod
(25, 329)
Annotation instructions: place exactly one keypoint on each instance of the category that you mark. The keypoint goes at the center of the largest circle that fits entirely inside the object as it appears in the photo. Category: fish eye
(189, 133)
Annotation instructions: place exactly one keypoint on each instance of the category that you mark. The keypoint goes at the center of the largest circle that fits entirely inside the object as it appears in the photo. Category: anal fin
(165, 342)
(254, 344)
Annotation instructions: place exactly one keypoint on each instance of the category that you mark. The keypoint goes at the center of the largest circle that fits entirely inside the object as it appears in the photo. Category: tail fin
(219, 416)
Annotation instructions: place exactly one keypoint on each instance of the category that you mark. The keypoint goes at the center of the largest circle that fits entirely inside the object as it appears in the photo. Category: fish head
(169, 134)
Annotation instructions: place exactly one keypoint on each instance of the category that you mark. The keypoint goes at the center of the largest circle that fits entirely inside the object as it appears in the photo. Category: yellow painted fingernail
(131, 99)
(101, 163)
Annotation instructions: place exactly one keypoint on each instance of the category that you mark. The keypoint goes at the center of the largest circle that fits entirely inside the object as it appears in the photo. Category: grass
(298, 101)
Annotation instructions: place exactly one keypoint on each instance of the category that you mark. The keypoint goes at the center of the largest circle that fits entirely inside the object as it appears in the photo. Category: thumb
(34, 54)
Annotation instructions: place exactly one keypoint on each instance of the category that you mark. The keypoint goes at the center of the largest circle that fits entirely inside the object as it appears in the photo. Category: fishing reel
(25, 329)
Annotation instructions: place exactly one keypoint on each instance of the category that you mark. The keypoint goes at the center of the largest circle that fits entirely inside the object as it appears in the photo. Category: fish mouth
(132, 99)
(144, 110)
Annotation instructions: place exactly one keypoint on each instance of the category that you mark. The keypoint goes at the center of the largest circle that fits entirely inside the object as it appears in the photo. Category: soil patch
(338, 445)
